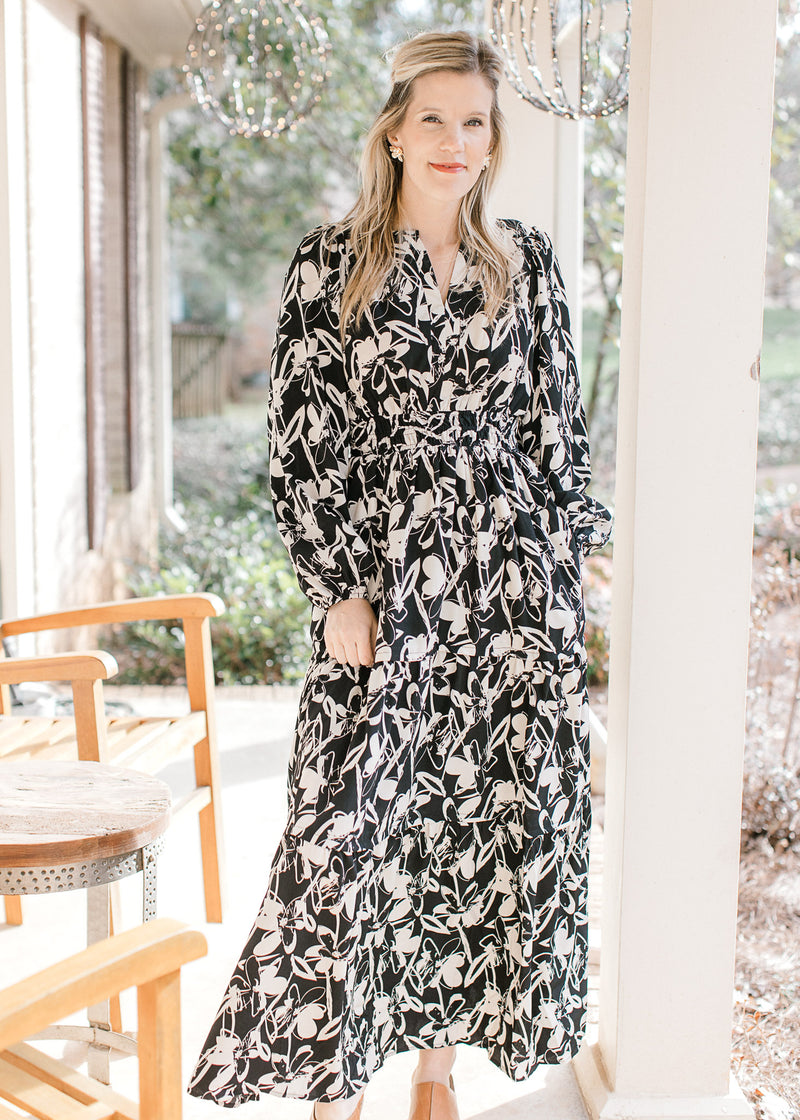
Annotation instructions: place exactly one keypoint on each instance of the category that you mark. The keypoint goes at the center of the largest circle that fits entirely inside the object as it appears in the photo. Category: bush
(231, 547)
(262, 637)
(771, 797)
(597, 597)
(777, 517)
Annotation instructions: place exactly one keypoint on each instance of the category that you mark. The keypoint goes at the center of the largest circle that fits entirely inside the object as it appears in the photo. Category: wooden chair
(142, 744)
(148, 958)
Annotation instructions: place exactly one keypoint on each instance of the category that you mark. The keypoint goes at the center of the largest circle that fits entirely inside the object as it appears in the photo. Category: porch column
(542, 182)
(16, 466)
(695, 235)
(159, 285)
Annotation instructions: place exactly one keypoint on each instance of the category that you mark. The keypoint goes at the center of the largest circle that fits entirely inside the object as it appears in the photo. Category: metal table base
(97, 876)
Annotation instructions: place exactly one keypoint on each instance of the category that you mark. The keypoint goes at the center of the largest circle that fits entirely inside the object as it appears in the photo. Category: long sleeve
(307, 418)
(555, 434)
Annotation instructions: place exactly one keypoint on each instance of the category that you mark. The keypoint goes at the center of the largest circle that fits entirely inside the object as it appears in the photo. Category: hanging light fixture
(257, 66)
(568, 57)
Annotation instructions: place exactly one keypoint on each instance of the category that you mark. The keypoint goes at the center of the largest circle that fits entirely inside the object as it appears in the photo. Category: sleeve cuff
(359, 592)
(590, 522)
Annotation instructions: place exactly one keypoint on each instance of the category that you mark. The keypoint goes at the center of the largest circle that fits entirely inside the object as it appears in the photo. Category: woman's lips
(449, 168)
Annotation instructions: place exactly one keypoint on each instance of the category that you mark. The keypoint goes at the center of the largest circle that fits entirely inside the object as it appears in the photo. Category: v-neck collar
(437, 302)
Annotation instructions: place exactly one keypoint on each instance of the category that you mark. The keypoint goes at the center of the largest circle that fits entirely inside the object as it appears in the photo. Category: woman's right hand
(350, 631)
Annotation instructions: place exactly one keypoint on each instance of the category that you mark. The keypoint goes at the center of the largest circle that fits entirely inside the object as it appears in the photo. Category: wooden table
(67, 825)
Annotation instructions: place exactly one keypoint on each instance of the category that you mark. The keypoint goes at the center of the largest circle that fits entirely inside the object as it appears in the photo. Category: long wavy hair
(371, 222)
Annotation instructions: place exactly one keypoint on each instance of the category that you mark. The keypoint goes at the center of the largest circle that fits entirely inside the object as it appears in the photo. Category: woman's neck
(437, 222)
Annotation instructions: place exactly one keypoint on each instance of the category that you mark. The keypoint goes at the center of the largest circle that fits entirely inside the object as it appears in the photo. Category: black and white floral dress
(430, 885)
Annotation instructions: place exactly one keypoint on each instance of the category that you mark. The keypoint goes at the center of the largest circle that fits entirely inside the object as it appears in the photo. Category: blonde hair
(371, 221)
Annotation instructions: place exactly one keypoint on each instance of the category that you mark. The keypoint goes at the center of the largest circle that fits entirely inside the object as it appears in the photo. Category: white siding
(114, 261)
(56, 279)
(65, 570)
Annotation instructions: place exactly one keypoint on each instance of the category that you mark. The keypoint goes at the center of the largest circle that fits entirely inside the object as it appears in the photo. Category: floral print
(430, 885)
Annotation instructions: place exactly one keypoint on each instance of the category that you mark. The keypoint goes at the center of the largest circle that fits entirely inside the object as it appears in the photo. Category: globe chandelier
(568, 57)
(258, 66)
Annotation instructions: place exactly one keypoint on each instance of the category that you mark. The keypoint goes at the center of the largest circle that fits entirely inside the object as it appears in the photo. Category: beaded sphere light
(574, 53)
(257, 67)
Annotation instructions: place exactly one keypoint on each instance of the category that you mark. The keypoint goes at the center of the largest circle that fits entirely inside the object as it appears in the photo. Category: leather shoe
(354, 1115)
(431, 1100)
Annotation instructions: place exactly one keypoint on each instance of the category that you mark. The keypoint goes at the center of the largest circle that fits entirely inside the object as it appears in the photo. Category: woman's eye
(473, 122)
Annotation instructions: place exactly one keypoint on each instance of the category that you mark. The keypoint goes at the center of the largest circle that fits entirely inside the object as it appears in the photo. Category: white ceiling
(154, 31)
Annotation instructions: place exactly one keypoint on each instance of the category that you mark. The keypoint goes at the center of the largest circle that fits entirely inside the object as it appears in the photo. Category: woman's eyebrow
(433, 109)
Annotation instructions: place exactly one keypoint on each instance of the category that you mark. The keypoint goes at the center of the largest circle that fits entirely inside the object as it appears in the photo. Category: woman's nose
(453, 138)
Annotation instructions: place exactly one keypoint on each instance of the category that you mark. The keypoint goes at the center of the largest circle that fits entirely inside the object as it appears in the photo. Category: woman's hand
(350, 631)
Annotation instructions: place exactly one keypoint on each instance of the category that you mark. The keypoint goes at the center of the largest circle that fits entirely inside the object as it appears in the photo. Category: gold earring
(487, 159)
(396, 153)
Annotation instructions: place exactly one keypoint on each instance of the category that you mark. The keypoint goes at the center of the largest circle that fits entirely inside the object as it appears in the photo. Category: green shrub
(230, 547)
(263, 635)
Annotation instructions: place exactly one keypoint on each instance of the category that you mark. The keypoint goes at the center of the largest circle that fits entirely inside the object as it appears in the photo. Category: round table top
(72, 812)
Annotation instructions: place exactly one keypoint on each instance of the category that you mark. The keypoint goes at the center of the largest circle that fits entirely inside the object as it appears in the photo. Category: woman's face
(445, 135)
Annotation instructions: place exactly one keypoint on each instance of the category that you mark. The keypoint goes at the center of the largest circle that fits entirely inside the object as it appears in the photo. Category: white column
(527, 187)
(542, 185)
(542, 182)
(16, 469)
(159, 287)
(695, 235)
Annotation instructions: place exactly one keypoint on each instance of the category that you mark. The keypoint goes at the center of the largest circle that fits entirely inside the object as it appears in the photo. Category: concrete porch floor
(255, 730)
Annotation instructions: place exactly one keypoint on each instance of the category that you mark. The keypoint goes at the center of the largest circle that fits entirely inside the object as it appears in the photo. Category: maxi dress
(430, 886)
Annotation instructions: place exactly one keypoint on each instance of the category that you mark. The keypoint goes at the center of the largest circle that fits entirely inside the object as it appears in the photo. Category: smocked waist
(381, 434)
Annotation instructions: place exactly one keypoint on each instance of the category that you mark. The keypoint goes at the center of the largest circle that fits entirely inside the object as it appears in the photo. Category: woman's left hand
(350, 631)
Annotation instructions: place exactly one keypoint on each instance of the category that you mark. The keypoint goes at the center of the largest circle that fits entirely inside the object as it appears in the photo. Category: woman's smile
(449, 168)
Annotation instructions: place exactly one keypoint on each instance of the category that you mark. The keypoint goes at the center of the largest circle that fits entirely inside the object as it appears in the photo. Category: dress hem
(494, 1055)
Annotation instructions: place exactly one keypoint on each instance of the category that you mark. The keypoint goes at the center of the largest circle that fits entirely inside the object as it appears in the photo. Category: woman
(429, 465)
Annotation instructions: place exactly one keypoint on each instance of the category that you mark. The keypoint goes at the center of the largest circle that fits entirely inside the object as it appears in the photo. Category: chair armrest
(153, 608)
(92, 666)
(130, 959)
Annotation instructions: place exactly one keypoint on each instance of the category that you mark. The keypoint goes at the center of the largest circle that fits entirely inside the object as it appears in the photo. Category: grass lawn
(779, 394)
(780, 354)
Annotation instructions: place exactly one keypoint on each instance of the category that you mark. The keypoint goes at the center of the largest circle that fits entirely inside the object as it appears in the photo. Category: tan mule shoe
(431, 1100)
(354, 1115)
